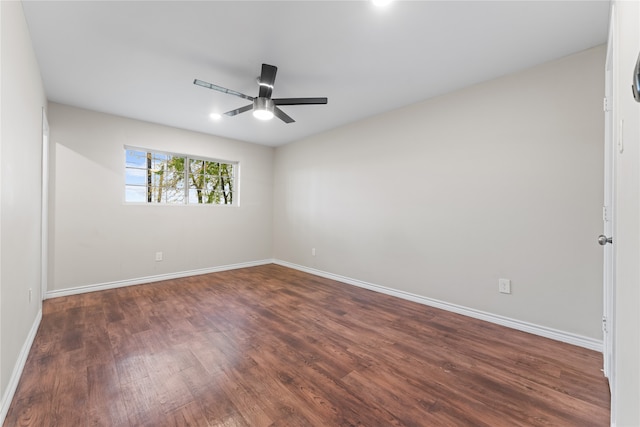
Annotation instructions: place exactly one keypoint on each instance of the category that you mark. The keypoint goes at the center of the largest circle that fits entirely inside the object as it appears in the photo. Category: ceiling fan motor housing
(263, 108)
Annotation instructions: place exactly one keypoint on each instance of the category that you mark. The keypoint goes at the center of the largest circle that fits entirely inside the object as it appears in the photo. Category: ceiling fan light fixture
(263, 114)
(263, 108)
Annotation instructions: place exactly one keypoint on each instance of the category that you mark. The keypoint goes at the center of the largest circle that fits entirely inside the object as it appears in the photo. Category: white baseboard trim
(566, 337)
(17, 369)
(149, 279)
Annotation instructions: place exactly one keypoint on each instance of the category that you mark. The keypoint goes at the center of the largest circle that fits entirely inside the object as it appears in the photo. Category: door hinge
(605, 104)
(604, 324)
(605, 214)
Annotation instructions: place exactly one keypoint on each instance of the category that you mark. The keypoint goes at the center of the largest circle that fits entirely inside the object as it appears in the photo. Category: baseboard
(566, 337)
(17, 369)
(150, 279)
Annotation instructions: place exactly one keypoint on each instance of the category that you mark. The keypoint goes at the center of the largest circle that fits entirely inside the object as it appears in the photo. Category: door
(607, 239)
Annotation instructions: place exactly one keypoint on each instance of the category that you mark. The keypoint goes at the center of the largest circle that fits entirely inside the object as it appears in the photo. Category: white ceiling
(139, 59)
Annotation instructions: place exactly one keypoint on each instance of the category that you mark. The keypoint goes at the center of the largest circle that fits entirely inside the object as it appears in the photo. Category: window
(163, 178)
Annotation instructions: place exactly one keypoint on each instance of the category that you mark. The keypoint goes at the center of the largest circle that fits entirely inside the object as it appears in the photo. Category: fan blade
(221, 89)
(282, 115)
(239, 110)
(267, 78)
(299, 101)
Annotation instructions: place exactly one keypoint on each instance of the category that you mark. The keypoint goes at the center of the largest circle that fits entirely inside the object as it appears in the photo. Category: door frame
(44, 227)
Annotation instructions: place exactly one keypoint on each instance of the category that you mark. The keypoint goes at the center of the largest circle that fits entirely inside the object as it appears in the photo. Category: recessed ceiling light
(381, 3)
(215, 116)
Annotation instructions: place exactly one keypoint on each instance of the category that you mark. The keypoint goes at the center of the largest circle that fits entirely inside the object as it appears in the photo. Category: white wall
(440, 199)
(626, 407)
(22, 98)
(96, 238)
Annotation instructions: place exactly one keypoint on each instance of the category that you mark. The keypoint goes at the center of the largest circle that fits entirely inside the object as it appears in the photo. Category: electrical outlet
(504, 286)
(158, 256)
(30, 294)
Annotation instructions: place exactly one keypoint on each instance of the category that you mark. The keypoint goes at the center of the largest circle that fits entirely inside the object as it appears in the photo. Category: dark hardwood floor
(270, 346)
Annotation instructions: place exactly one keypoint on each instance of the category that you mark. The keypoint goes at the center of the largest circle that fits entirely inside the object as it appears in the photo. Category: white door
(607, 239)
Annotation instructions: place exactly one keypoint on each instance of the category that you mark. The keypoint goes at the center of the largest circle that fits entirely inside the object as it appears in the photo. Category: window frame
(235, 177)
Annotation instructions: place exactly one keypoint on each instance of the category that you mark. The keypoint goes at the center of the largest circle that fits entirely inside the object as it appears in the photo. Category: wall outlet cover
(504, 286)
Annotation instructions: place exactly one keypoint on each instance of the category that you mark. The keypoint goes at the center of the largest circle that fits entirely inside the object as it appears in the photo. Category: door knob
(603, 240)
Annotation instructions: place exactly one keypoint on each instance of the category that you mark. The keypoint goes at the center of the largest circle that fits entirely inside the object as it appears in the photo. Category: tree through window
(163, 178)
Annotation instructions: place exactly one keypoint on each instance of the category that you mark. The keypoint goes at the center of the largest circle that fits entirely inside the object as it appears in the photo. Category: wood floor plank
(270, 346)
(215, 405)
(187, 415)
(105, 401)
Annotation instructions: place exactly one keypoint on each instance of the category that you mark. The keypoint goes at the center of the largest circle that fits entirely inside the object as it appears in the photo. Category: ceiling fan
(264, 107)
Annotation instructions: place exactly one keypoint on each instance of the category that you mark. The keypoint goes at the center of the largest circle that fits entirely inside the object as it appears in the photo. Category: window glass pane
(226, 170)
(176, 164)
(226, 198)
(157, 159)
(203, 189)
(175, 194)
(194, 196)
(196, 166)
(136, 177)
(169, 195)
(158, 178)
(135, 194)
(196, 182)
(136, 159)
(173, 178)
(212, 183)
(163, 195)
(156, 195)
(212, 168)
